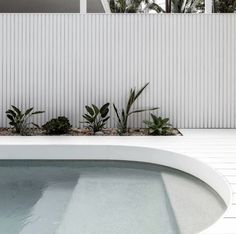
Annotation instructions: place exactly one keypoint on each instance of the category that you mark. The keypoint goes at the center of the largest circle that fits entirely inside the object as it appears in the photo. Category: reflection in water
(16, 201)
(32, 200)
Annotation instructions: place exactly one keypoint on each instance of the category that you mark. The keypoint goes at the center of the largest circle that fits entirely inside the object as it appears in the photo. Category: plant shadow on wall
(95, 121)
(152, 6)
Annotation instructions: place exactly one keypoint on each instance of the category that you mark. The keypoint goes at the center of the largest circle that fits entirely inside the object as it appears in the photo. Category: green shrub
(21, 121)
(127, 111)
(60, 125)
(123, 6)
(159, 126)
(96, 118)
(224, 6)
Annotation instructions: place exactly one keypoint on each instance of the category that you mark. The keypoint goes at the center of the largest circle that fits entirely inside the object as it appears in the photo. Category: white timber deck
(216, 148)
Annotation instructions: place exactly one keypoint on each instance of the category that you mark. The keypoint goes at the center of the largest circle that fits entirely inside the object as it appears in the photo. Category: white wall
(61, 62)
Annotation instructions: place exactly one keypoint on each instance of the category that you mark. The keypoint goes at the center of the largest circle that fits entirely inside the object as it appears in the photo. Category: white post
(208, 6)
(83, 6)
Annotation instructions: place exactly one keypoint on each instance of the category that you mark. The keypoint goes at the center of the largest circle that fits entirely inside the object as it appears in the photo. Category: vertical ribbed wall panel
(61, 62)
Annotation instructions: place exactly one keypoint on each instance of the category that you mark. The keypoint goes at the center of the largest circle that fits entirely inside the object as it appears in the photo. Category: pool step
(47, 213)
(122, 203)
(190, 201)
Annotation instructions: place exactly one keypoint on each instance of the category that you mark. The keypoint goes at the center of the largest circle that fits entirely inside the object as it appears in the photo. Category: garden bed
(87, 132)
(94, 121)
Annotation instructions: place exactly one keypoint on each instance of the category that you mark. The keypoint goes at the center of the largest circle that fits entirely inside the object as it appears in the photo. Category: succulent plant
(158, 126)
(57, 126)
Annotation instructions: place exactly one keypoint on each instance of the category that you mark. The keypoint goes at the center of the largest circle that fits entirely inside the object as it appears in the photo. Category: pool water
(102, 197)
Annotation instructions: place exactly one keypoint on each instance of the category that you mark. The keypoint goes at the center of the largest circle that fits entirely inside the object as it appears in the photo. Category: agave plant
(96, 118)
(126, 112)
(21, 121)
(134, 6)
(158, 126)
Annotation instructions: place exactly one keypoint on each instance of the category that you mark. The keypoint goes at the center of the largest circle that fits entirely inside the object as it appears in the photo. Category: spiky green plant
(158, 126)
(126, 112)
(21, 121)
(96, 118)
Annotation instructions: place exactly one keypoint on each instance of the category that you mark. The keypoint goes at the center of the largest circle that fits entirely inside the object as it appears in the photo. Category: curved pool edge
(121, 152)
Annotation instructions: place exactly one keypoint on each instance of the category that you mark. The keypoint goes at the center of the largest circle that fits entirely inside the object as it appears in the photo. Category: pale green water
(96, 198)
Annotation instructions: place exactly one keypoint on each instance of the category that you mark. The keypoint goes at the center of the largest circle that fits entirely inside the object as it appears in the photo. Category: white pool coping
(207, 154)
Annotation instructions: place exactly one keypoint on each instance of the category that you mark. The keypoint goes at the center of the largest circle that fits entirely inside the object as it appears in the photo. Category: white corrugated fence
(61, 62)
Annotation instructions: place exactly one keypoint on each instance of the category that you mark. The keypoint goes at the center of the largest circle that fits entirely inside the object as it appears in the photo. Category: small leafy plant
(21, 121)
(57, 126)
(96, 118)
(159, 126)
(126, 112)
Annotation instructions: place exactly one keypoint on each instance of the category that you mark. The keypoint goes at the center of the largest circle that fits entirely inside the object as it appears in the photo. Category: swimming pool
(106, 189)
